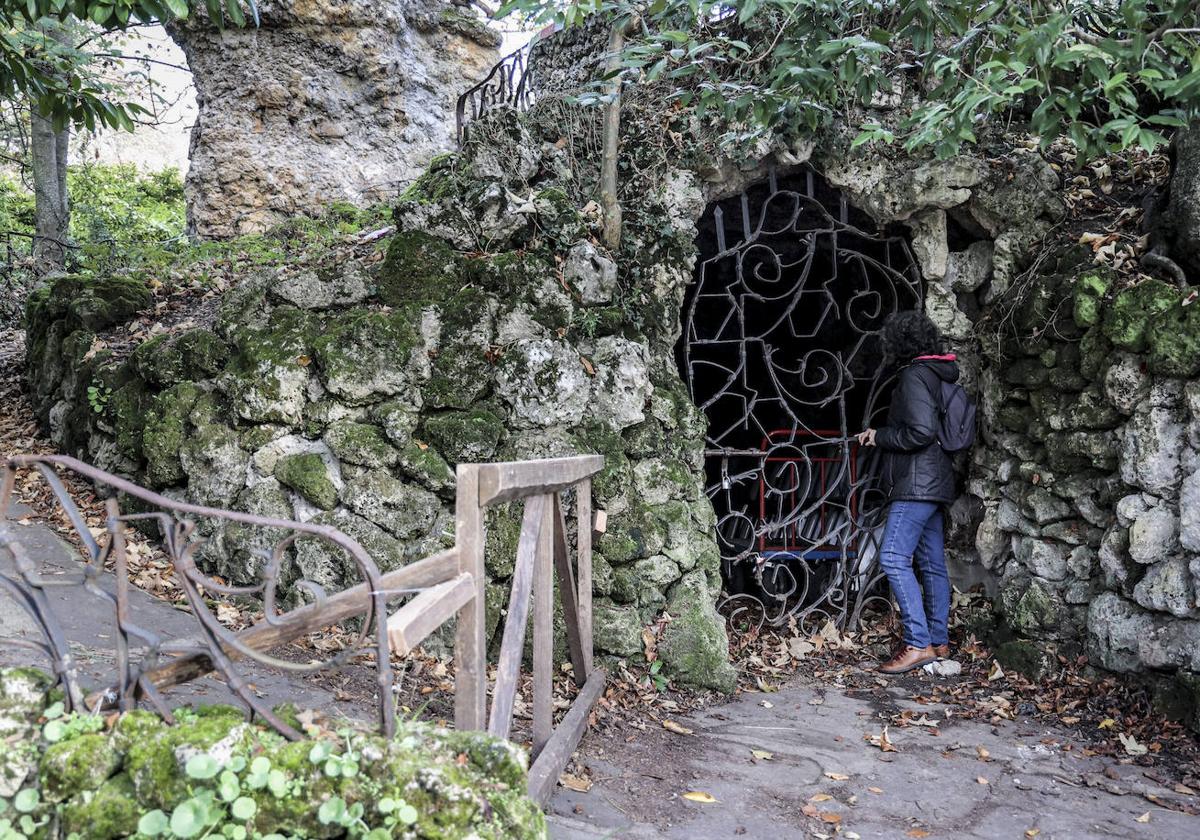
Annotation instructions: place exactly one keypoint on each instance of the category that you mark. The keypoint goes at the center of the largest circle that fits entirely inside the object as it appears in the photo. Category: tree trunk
(48, 152)
(48, 164)
(1182, 217)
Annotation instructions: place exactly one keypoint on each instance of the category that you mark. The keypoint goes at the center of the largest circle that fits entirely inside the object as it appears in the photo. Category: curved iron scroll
(506, 85)
(780, 351)
(177, 522)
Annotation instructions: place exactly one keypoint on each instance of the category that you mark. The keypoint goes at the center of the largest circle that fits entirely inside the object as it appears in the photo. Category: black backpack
(956, 429)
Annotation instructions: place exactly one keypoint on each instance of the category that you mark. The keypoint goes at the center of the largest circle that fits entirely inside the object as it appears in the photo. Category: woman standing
(918, 475)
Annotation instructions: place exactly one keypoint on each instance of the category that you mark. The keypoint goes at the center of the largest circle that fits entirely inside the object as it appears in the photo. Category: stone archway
(779, 350)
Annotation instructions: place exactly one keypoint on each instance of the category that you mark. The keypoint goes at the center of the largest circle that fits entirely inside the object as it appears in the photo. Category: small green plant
(60, 727)
(656, 676)
(98, 396)
(589, 321)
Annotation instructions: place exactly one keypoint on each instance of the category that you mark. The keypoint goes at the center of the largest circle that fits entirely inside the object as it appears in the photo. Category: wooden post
(583, 568)
(543, 631)
(568, 593)
(470, 654)
(512, 646)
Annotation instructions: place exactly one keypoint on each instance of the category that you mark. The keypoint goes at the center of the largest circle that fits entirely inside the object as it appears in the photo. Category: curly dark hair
(906, 335)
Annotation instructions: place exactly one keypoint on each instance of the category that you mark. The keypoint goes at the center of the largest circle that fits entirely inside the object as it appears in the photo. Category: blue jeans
(914, 531)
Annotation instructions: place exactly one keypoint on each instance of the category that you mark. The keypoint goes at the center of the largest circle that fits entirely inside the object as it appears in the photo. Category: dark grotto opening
(780, 350)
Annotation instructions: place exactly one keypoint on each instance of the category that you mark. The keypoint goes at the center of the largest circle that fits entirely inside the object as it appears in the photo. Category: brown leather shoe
(907, 659)
(942, 651)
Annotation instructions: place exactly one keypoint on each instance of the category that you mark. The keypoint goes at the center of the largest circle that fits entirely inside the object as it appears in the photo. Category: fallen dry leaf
(996, 672)
(1131, 744)
(762, 755)
(982, 780)
(1032, 832)
(875, 790)
(881, 740)
(575, 783)
(837, 777)
(830, 817)
(820, 797)
(677, 728)
(1144, 818)
(983, 753)
(916, 832)
(699, 796)
(1107, 723)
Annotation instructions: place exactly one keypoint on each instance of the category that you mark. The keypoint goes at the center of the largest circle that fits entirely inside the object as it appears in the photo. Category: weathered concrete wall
(324, 102)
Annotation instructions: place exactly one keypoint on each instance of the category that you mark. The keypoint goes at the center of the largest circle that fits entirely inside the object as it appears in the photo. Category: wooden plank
(519, 479)
(583, 569)
(512, 646)
(543, 630)
(348, 603)
(429, 610)
(470, 652)
(568, 593)
(552, 760)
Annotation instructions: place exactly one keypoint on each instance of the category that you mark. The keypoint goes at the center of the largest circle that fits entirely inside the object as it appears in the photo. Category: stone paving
(972, 780)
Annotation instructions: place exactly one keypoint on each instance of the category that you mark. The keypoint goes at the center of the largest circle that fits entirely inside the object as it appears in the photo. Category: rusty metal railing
(218, 647)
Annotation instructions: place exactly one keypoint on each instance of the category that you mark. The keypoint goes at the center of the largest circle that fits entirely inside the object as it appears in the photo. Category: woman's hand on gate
(866, 438)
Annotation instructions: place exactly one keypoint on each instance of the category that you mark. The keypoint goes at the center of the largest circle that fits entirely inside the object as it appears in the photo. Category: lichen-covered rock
(214, 463)
(1130, 313)
(1168, 587)
(322, 289)
(1150, 455)
(269, 374)
(617, 630)
(590, 273)
(1123, 637)
(367, 356)
(412, 515)
(1153, 535)
(622, 385)
(22, 701)
(545, 382)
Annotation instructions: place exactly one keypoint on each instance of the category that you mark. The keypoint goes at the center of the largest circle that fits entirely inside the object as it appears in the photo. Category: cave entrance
(780, 350)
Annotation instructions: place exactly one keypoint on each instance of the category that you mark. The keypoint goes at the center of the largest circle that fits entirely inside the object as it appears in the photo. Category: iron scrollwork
(177, 523)
(780, 351)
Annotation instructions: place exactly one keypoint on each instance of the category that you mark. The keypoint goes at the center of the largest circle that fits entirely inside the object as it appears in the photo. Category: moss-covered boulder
(215, 774)
(360, 443)
(366, 356)
(419, 267)
(168, 359)
(464, 437)
(82, 763)
(1133, 309)
(308, 475)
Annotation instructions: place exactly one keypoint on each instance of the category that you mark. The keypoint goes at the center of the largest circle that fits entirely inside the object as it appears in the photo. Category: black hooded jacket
(915, 467)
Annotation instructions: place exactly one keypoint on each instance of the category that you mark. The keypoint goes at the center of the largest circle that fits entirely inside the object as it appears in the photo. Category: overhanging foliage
(1107, 74)
(48, 73)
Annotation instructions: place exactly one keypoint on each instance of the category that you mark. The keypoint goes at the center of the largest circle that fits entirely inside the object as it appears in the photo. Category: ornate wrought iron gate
(780, 350)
